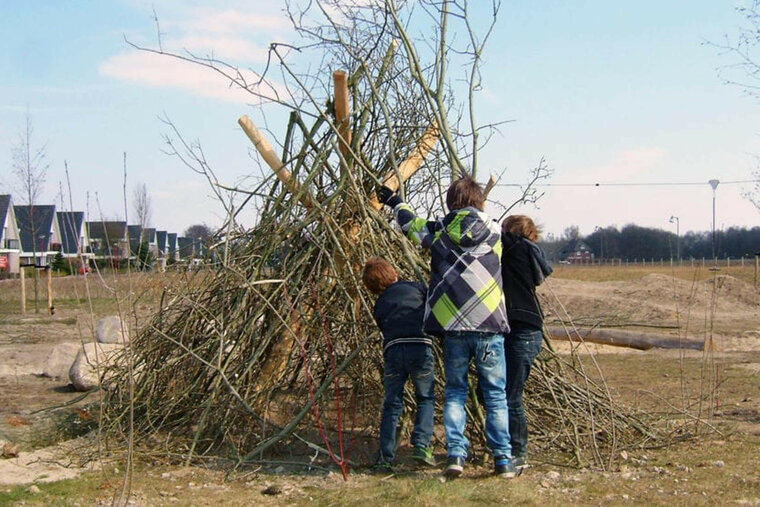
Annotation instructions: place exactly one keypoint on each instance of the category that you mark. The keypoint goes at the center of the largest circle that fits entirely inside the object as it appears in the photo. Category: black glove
(388, 197)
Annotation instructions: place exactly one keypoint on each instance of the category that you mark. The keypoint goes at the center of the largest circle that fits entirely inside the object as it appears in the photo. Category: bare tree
(744, 70)
(30, 170)
(200, 231)
(141, 203)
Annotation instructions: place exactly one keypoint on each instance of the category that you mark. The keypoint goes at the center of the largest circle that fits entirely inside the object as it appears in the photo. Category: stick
(270, 157)
(409, 166)
(639, 341)
(342, 118)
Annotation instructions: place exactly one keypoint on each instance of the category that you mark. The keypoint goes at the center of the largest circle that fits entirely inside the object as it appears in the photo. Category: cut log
(273, 161)
(409, 166)
(342, 117)
(633, 340)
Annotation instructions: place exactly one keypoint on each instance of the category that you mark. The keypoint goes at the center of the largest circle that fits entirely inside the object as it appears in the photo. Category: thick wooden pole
(49, 272)
(342, 116)
(273, 161)
(409, 166)
(21, 272)
(617, 338)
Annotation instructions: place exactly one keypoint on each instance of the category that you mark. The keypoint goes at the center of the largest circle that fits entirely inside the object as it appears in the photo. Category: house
(10, 240)
(75, 241)
(161, 244)
(172, 252)
(576, 252)
(108, 240)
(135, 239)
(186, 247)
(149, 237)
(40, 237)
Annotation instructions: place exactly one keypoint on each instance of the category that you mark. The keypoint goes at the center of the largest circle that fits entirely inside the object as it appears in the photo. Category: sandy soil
(726, 307)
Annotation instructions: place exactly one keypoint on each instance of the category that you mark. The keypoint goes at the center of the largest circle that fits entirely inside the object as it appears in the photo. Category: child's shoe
(423, 455)
(454, 467)
(503, 467)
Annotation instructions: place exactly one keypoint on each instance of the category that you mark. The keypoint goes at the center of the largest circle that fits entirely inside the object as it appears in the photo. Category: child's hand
(387, 196)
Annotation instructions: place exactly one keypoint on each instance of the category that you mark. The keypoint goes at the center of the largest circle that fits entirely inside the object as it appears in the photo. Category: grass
(623, 273)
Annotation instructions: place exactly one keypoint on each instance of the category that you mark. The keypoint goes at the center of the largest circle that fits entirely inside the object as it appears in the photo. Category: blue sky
(608, 92)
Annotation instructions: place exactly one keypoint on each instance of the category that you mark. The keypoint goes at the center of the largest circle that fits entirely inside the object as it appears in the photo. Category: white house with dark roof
(40, 237)
(10, 239)
(75, 240)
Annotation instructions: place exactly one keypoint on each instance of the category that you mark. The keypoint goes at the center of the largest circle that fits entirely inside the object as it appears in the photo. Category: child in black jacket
(407, 353)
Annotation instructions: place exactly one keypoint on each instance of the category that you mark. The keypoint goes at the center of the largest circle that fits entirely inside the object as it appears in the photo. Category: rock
(91, 358)
(108, 330)
(272, 490)
(553, 475)
(10, 450)
(33, 489)
(60, 360)
(719, 463)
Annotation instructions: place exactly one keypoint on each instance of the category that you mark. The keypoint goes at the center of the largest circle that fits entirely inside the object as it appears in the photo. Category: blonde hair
(521, 225)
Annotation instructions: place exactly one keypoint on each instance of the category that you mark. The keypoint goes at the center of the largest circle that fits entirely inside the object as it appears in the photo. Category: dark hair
(521, 225)
(465, 192)
(378, 274)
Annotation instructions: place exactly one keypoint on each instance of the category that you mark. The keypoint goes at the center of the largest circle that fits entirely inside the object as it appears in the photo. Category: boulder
(91, 358)
(108, 330)
(60, 360)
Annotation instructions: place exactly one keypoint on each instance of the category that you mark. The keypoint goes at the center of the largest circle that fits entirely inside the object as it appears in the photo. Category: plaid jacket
(465, 291)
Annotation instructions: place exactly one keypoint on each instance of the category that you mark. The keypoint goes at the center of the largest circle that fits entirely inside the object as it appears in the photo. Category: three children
(465, 307)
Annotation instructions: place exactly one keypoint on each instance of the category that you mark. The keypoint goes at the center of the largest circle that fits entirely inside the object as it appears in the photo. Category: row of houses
(36, 235)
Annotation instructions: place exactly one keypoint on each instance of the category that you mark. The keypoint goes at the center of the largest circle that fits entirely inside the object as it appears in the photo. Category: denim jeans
(402, 361)
(487, 352)
(521, 347)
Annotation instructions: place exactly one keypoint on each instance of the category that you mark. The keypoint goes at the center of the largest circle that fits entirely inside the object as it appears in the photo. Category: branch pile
(275, 344)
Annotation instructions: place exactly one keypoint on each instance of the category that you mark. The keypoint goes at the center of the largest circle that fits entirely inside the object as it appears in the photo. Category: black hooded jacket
(522, 268)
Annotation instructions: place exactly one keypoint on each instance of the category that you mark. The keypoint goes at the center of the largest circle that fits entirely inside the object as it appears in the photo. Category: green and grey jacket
(465, 291)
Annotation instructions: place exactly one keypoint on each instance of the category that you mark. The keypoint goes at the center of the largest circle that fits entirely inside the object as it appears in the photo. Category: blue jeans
(402, 361)
(487, 352)
(521, 347)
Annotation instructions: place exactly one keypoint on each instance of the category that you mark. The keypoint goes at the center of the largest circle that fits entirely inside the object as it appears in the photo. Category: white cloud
(162, 71)
(626, 166)
(209, 20)
(225, 34)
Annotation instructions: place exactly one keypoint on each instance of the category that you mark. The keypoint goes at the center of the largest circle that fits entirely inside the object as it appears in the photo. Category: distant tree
(200, 231)
(30, 169)
(141, 203)
(571, 232)
(144, 257)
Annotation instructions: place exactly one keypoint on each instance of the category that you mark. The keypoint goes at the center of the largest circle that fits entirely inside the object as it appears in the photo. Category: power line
(628, 184)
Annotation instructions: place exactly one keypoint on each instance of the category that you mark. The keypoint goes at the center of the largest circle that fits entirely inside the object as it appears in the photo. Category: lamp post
(714, 185)
(672, 219)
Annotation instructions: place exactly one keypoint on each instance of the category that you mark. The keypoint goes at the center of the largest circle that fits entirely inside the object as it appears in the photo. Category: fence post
(23, 288)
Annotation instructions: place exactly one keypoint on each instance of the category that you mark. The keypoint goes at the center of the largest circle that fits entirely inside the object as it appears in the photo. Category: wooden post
(49, 272)
(409, 166)
(757, 261)
(21, 272)
(273, 161)
(342, 117)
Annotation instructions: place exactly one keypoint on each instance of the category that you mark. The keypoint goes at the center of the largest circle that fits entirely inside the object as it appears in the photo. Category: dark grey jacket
(400, 314)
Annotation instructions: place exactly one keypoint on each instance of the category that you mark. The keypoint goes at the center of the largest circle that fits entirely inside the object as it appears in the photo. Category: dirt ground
(719, 467)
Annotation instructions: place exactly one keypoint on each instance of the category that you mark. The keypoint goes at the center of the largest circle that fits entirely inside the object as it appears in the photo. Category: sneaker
(503, 467)
(520, 462)
(423, 455)
(382, 467)
(454, 467)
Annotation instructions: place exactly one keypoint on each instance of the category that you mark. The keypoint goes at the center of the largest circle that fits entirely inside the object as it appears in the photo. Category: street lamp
(672, 219)
(714, 185)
